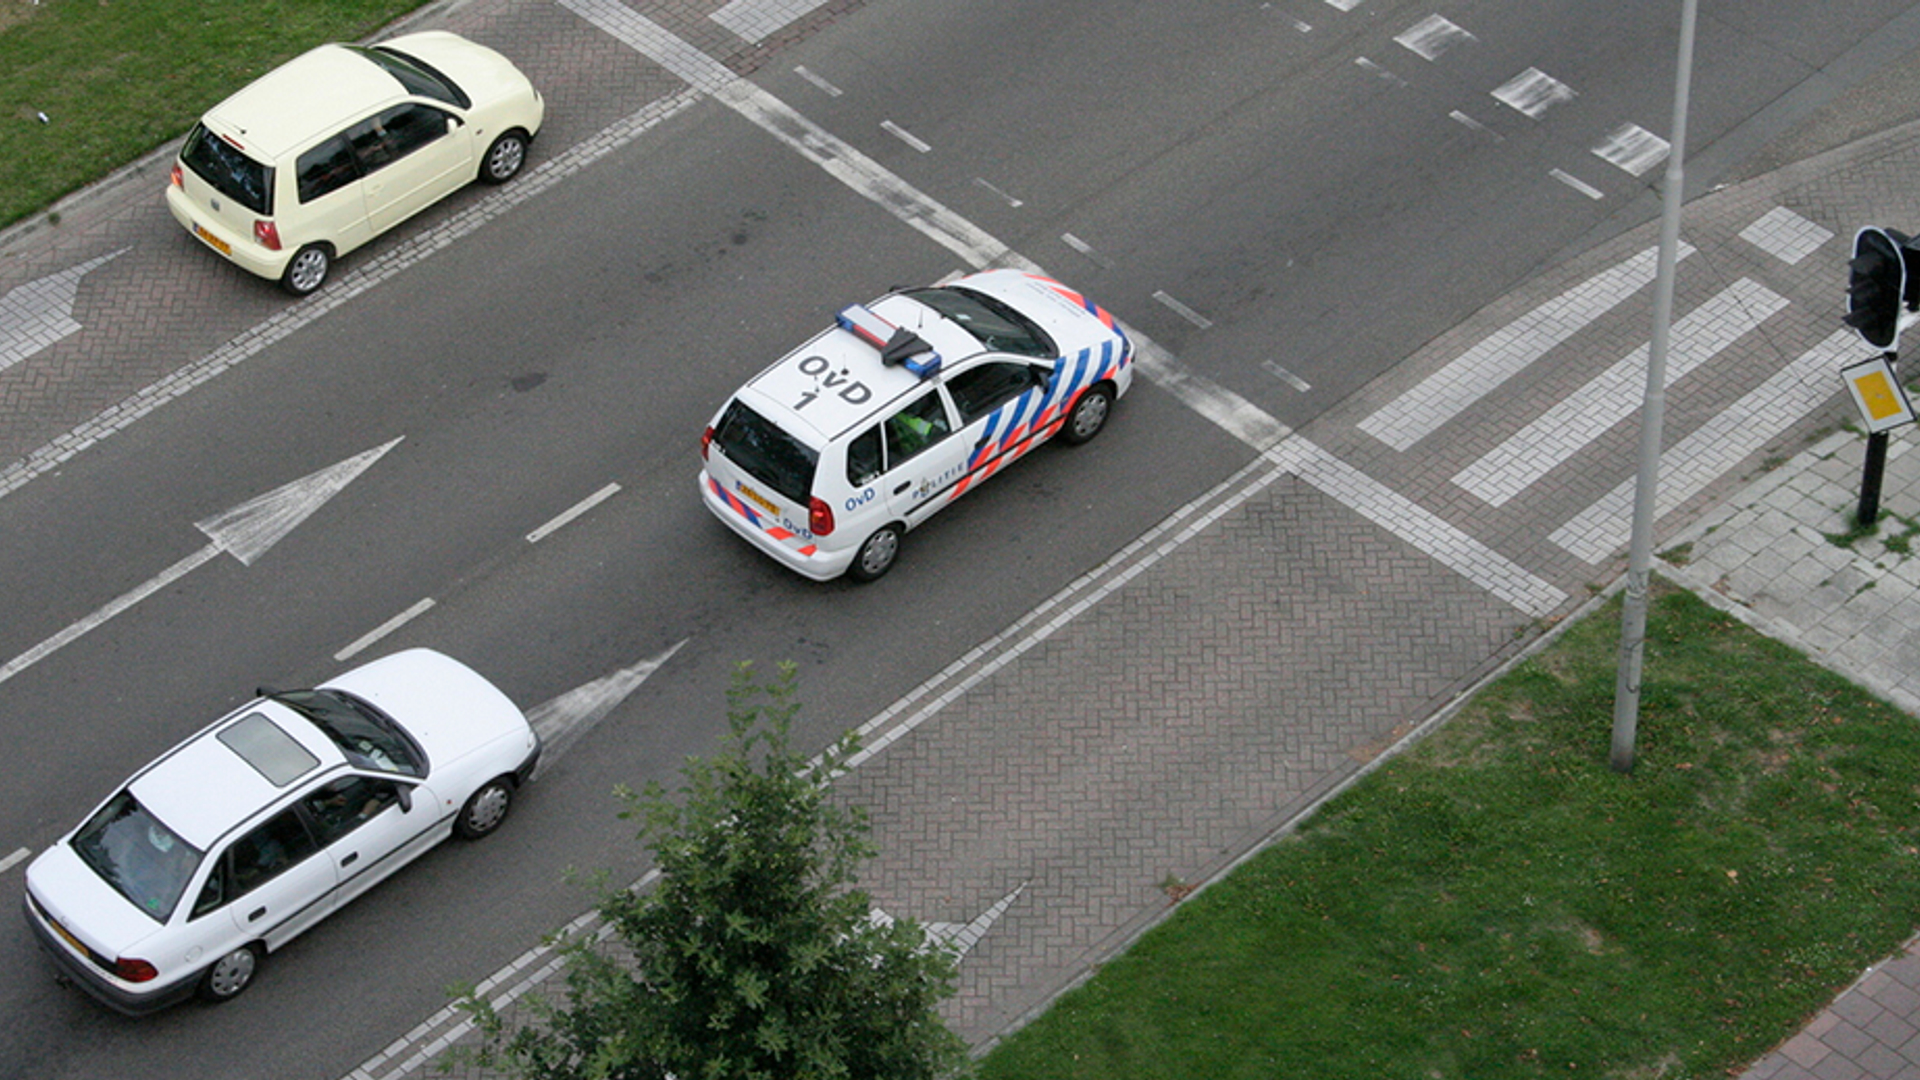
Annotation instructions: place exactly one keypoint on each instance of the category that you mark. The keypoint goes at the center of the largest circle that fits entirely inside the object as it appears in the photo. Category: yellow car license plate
(213, 241)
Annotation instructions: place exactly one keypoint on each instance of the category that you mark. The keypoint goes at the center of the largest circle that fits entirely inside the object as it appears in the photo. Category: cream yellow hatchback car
(340, 144)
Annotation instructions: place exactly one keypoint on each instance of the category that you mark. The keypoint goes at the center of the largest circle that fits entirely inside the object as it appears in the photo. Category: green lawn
(1498, 903)
(117, 78)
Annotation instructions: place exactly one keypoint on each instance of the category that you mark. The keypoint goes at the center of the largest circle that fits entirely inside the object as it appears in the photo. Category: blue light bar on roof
(897, 344)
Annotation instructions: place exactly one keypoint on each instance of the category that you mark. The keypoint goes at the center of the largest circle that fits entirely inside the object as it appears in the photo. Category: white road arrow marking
(562, 721)
(245, 532)
(40, 313)
(957, 938)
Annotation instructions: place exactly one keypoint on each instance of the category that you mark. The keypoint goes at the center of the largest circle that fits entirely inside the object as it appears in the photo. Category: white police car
(827, 458)
(256, 828)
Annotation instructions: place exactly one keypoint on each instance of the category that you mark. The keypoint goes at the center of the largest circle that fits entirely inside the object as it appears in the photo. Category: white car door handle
(255, 914)
(347, 859)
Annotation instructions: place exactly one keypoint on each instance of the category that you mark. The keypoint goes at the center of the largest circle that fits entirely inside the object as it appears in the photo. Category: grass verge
(1498, 903)
(117, 78)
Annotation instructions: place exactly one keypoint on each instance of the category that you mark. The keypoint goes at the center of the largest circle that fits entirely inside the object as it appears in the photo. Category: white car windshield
(143, 860)
(368, 737)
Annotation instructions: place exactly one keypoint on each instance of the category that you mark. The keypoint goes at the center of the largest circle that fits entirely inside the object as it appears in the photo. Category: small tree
(753, 957)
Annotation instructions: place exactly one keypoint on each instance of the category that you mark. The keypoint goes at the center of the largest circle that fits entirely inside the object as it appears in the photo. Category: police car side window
(863, 457)
(978, 391)
(915, 428)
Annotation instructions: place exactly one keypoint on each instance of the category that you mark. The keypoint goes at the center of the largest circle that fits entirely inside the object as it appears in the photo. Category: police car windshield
(766, 453)
(993, 323)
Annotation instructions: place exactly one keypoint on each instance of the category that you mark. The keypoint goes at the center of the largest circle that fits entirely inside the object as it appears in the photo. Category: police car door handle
(902, 489)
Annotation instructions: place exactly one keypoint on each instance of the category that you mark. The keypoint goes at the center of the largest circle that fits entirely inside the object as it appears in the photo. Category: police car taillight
(706, 442)
(819, 517)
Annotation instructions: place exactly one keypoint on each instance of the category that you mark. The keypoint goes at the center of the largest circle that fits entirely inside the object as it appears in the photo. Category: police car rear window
(766, 452)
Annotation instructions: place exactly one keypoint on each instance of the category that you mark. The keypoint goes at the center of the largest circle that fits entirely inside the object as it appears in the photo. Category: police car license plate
(757, 499)
(213, 241)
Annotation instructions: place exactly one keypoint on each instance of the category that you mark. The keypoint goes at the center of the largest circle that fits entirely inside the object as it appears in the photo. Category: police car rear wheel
(1089, 415)
(876, 556)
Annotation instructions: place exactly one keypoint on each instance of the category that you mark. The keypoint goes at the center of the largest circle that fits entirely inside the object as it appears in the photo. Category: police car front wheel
(1089, 415)
(876, 556)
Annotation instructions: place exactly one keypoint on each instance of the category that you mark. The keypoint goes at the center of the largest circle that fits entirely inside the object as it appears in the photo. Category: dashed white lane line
(1615, 394)
(1378, 71)
(1763, 414)
(1086, 249)
(1509, 350)
(372, 636)
(14, 859)
(1183, 311)
(905, 136)
(1471, 124)
(1286, 376)
(818, 82)
(1010, 200)
(1577, 184)
(565, 517)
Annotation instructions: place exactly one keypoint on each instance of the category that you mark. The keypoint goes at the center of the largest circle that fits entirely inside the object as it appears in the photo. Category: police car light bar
(897, 344)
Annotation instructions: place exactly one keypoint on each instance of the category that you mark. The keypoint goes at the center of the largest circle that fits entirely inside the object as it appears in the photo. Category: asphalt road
(1323, 198)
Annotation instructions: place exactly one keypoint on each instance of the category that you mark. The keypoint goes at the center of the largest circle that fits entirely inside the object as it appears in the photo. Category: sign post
(1883, 405)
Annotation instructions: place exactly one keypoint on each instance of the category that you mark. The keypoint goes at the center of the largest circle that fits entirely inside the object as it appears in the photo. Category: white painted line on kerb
(1424, 530)
(905, 136)
(819, 83)
(1507, 351)
(14, 859)
(1764, 414)
(1616, 393)
(1577, 184)
(385, 628)
(575, 511)
(1183, 311)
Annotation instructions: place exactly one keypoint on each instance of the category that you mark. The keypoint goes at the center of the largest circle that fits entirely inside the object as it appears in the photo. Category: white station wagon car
(826, 459)
(343, 142)
(256, 828)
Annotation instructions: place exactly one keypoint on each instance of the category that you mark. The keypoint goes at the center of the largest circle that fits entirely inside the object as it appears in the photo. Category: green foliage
(753, 957)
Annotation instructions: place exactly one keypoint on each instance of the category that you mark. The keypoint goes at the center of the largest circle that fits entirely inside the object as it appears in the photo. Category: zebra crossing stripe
(1506, 352)
(1612, 396)
(1764, 414)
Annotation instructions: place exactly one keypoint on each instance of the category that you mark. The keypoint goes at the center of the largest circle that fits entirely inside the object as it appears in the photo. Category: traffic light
(1877, 285)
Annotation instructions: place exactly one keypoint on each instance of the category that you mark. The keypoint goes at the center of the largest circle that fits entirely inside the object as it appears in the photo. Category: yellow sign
(1878, 395)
